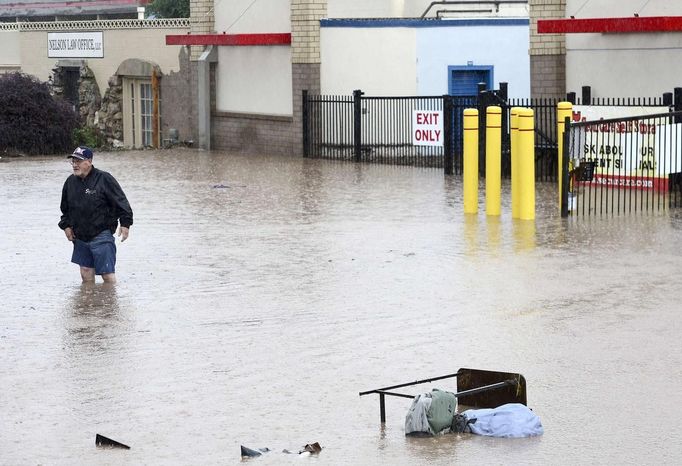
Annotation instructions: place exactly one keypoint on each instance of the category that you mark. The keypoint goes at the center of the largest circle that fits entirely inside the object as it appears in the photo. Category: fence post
(483, 102)
(677, 102)
(357, 124)
(448, 146)
(587, 95)
(564, 170)
(668, 99)
(564, 110)
(504, 91)
(304, 117)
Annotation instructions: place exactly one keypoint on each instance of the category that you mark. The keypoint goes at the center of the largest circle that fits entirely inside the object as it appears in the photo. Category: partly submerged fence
(379, 129)
(623, 165)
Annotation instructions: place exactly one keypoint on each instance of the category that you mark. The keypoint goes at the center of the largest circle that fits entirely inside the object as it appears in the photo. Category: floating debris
(309, 449)
(313, 448)
(102, 441)
(250, 453)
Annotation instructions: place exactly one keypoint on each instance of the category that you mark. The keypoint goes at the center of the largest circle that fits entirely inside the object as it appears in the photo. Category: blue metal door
(463, 84)
(463, 80)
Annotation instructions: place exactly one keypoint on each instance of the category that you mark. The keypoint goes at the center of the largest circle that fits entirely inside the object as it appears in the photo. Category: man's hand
(69, 234)
(123, 233)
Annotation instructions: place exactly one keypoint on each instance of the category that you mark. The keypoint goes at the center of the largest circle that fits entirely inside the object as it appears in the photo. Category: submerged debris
(310, 448)
(102, 441)
(250, 452)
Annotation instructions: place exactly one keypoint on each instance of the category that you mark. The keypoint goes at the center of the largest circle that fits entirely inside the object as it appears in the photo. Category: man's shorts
(98, 253)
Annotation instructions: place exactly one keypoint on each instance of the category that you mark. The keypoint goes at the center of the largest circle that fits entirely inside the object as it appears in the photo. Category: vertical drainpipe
(210, 55)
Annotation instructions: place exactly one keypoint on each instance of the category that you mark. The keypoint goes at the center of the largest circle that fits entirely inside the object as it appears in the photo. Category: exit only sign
(427, 128)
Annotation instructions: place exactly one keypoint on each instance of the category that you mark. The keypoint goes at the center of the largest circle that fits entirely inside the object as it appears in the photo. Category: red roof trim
(229, 39)
(610, 25)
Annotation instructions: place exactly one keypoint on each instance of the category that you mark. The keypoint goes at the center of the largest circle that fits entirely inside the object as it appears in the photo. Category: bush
(168, 9)
(87, 136)
(31, 120)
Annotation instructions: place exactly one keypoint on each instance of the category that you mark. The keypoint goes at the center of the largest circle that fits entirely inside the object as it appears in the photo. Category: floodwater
(257, 296)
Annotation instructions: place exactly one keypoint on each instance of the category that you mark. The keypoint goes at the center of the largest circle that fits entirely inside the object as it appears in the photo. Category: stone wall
(89, 97)
(547, 51)
(178, 97)
(109, 119)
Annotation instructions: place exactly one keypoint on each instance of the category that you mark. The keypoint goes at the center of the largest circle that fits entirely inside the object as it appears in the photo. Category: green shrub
(31, 120)
(87, 136)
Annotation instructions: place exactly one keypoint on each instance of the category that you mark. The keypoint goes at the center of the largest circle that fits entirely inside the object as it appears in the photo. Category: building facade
(254, 59)
(112, 84)
(547, 51)
(59, 10)
(619, 48)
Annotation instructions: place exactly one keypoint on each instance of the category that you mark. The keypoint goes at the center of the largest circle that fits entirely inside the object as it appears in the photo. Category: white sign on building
(75, 45)
(635, 153)
(427, 128)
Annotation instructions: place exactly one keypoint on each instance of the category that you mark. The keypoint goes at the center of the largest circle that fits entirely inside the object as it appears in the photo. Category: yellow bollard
(563, 110)
(470, 161)
(526, 144)
(493, 160)
(513, 143)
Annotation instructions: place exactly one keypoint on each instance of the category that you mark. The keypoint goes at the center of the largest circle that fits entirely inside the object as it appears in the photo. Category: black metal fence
(379, 129)
(623, 165)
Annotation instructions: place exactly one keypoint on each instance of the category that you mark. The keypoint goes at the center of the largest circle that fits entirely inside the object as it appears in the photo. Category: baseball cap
(81, 153)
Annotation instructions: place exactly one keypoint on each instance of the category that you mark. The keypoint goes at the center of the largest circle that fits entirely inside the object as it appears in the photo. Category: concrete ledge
(254, 116)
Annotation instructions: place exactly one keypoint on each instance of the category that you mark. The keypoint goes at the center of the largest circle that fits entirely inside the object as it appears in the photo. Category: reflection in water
(255, 312)
(93, 317)
(494, 228)
(96, 337)
(471, 233)
(524, 235)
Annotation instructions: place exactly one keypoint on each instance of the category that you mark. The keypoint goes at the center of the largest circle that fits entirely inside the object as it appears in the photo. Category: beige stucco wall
(622, 8)
(119, 45)
(254, 79)
(380, 61)
(247, 17)
(414, 8)
(623, 65)
(10, 53)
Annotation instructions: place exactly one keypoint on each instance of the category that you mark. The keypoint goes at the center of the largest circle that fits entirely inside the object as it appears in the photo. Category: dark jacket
(94, 204)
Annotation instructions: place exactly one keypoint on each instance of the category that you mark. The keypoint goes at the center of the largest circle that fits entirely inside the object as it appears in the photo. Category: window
(138, 113)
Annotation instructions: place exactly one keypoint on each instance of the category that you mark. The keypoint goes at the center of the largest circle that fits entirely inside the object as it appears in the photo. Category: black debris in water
(102, 441)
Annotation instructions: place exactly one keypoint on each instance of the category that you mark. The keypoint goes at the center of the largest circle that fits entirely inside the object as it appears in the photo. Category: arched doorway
(141, 103)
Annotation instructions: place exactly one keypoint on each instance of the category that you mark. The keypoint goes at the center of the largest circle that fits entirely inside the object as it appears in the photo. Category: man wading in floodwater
(92, 205)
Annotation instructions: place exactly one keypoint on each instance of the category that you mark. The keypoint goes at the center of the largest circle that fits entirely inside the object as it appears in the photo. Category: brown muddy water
(255, 312)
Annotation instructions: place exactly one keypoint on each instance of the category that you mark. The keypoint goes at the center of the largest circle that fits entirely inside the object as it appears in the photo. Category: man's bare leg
(88, 275)
(109, 277)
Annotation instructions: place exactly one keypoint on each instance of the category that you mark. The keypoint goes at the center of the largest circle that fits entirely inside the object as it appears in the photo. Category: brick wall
(305, 30)
(305, 58)
(201, 20)
(547, 51)
(178, 94)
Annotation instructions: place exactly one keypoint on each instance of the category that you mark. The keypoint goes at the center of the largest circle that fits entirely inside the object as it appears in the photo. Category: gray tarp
(510, 420)
(431, 413)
